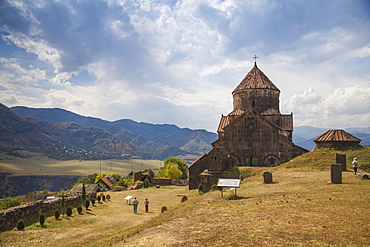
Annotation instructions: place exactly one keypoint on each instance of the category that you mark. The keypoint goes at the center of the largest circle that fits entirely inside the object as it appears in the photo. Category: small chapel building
(255, 133)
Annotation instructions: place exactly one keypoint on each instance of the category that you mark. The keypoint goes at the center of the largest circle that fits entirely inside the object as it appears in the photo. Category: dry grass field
(42, 165)
(298, 209)
(101, 225)
(301, 208)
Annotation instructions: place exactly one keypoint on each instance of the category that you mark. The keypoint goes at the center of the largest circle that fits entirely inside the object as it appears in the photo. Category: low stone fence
(30, 212)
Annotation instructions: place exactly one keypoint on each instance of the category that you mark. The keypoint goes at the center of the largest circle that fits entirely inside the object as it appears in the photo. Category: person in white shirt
(135, 202)
(354, 165)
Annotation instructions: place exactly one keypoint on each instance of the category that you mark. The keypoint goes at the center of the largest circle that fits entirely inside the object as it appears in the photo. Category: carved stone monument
(267, 177)
(341, 159)
(336, 173)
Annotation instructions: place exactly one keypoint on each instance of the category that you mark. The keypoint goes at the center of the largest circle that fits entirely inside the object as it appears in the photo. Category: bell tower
(256, 91)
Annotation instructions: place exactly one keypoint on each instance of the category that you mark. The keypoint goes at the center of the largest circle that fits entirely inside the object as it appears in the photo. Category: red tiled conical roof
(255, 79)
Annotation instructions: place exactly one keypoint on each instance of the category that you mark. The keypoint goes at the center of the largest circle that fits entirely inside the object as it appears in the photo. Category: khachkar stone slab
(336, 173)
(267, 177)
(341, 159)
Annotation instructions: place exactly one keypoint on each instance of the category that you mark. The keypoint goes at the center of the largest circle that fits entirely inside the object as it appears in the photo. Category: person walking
(135, 202)
(354, 165)
(146, 203)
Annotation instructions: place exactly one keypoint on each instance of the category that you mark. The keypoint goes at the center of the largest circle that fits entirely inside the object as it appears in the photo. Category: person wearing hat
(354, 165)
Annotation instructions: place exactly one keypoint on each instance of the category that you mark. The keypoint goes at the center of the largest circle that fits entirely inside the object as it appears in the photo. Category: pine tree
(83, 194)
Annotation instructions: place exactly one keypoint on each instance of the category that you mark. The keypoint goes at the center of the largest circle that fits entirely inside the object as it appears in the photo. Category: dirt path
(99, 226)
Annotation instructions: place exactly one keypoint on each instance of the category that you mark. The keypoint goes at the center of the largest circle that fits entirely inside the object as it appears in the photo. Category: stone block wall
(30, 212)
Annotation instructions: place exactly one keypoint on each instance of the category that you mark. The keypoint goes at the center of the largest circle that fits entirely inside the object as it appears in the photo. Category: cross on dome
(255, 59)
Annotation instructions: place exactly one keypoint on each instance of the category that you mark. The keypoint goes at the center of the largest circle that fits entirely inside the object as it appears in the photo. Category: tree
(90, 179)
(98, 177)
(146, 183)
(172, 171)
(63, 204)
(182, 166)
(83, 194)
(116, 176)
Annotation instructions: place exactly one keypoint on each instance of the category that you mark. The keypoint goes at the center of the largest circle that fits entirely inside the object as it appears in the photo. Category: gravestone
(341, 159)
(267, 177)
(336, 173)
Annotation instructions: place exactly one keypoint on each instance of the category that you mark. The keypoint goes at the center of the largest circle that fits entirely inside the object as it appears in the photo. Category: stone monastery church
(255, 133)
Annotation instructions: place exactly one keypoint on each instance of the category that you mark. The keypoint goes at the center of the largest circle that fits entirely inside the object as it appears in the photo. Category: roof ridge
(255, 79)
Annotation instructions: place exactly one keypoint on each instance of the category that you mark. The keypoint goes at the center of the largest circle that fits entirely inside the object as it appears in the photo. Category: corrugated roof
(336, 135)
(255, 79)
(106, 181)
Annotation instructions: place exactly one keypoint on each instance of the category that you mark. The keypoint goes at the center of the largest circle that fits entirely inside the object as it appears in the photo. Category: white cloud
(13, 75)
(345, 107)
(178, 61)
(39, 47)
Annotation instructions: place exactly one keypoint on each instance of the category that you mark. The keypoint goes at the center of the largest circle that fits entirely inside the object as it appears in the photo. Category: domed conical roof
(255, 79)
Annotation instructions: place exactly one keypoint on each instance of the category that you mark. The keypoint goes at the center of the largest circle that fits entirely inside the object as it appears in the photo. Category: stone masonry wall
(30, 212)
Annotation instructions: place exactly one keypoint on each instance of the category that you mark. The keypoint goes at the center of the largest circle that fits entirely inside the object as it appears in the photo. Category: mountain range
(62, 134)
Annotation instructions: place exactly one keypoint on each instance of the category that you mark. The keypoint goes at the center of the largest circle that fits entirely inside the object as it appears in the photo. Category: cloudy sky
(177, 62)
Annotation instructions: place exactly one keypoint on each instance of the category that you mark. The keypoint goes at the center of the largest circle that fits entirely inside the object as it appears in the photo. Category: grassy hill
(301, 208)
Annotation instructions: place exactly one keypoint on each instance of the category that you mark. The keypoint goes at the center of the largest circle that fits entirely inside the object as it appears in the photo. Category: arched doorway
(271, 160)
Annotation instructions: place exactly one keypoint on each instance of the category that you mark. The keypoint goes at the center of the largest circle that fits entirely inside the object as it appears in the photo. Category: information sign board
(227, 182)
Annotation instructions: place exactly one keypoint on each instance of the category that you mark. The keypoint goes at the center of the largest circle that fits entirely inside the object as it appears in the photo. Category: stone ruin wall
(30, 212)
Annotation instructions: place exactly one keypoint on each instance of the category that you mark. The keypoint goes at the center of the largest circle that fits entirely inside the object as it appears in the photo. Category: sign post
(227, 182)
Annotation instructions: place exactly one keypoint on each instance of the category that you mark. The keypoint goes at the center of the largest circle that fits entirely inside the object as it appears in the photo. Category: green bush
(42, 219)
(146, 183)
(126, 182)
(79, 209)
(20, 225)
(108, 197)
(214, 187)
(57, 213)
(69, 211)
(87, 204)
(200, 189)
(103, 198)
(99, 199)
(93, 201)
(164, 208)
(10, 202)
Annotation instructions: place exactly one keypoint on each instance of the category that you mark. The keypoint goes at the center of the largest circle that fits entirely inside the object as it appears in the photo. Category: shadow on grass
(238, 198)
(89, 213)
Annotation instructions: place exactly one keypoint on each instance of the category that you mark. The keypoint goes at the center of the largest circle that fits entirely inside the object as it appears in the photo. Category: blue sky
(177, 62)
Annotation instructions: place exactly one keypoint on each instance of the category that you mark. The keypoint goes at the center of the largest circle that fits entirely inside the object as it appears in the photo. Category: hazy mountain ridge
(157, 141)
